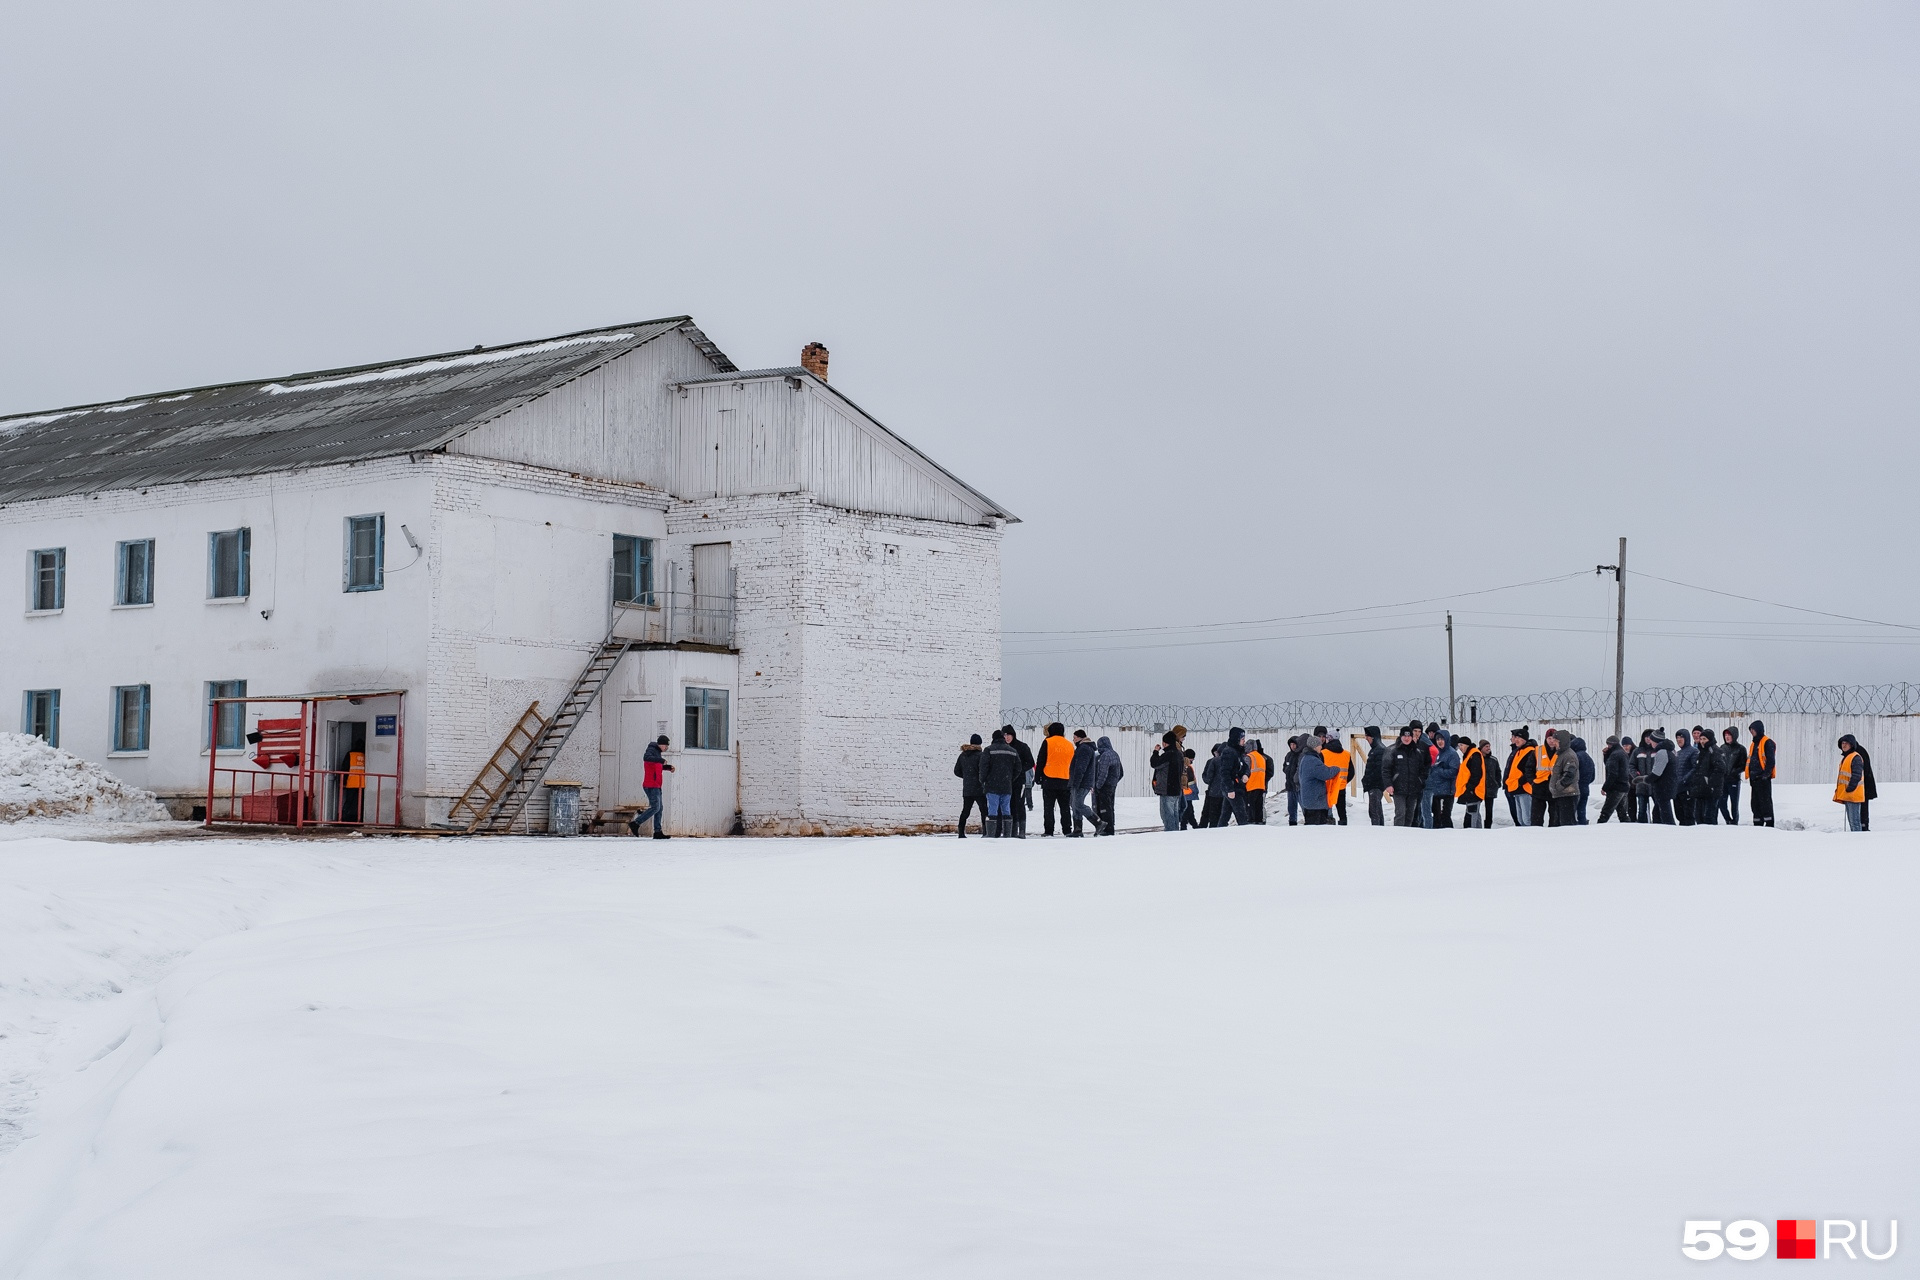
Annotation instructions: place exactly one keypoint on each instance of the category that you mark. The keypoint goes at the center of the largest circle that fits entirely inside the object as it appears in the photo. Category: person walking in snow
(1169, 780)
(1233, 777)
(972, 790)
(1186, 808)
(1314, 773)
(1616, 786)
(1080, 782)
(653, 780)
(1107, 772)
(1290, 771)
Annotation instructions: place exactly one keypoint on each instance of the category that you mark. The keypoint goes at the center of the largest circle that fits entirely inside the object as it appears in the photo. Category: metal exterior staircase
(524, 756)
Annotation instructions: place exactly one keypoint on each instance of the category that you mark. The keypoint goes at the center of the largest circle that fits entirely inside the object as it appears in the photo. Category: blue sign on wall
(383, 726)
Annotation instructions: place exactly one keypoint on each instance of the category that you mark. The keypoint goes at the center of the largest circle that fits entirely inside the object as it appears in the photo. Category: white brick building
(445, 539)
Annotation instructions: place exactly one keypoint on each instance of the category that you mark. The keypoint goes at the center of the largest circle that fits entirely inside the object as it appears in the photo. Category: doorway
(637, 732)
(347, 758)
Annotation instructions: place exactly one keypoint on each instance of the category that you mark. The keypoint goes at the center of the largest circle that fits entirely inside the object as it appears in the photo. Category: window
(134, 581)
(40, 715)
(47, 580)
(130, 717)
(228, 554)
(366, 553)
(706, 719)
(226, 722)
(632, 570)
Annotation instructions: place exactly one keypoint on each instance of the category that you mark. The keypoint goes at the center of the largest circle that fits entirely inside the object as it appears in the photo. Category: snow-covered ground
(38, 782)
(1236, 1053)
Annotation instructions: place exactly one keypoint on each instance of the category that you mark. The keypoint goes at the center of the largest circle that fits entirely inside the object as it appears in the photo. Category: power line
(1297, 617)
(1872, 622)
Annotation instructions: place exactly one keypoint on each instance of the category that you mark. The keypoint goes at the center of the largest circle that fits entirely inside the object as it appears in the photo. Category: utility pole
(1619, 638)
(1450, 702)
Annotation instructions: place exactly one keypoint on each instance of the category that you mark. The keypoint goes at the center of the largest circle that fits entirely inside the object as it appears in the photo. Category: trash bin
(563, 808)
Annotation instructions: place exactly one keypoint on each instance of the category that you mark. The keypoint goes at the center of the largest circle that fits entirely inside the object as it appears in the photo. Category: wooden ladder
(508, 799)
(498, 772)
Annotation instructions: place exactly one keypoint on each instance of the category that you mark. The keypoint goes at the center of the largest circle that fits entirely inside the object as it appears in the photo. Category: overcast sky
(1248, 312)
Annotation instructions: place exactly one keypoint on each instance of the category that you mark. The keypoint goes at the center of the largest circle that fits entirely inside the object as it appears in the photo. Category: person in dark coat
(1192, 783)
(972, 790)
(1587, 774)
(1233, 779)
(1290, 770)
(1373, 778)
(1107, 772)
(1169, 780)
(1080, 782)
(1873, 789)
(1210, 779)
(1408, 762)
(1002, 773)
(1733, 767)
(1706, 784)
(1436, 793)
(1666, 774)
(1760, 766)
(1023, 794)
(1616, 785)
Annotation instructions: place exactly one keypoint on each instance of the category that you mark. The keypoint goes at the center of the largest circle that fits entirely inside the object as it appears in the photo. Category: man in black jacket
(1080, 783)
(972, 790)
(1706, 783)
(1616, 782)
(1023, 794)
(1408, 761)
(1002, 773)
(1373, 777)
(1233, 778)
(1760, 767)
(1169, 780)
(1733, 767)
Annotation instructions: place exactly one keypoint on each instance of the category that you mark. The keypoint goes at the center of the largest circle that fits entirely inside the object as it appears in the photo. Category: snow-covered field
(1237, 1053)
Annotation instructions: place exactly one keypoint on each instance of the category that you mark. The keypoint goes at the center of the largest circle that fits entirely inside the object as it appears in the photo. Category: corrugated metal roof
(302, 420)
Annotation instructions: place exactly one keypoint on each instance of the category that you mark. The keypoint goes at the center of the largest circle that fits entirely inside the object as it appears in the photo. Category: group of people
(998, 777)
(1426, 773)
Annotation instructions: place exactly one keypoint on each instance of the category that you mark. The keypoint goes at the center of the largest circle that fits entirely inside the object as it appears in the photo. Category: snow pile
(39, 781)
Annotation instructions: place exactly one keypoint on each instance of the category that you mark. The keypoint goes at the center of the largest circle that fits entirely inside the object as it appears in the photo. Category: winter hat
(1319, 731)
(1522, 733)
(1234, 735)
(1373, 731)
(1756, 727)
(999, 735)
(1613, 740)
(975, 741)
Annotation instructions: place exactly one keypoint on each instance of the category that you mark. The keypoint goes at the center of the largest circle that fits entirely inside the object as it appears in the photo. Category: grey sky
(1249, 312)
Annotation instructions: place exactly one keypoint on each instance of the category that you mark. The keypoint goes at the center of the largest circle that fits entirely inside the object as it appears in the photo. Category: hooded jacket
(1444, 772)
(1407, 766)
(1169, 770)
(1564, 781)
(967, 769)
(1080, 772)
(1586, 762)
(1314, 774)
(1233, 761)
(1760, 759)
(1618, 761)
(1290, 767)
(1708, 779)
(1107, 769)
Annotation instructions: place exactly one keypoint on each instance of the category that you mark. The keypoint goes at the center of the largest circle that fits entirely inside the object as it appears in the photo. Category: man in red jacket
(652, 779)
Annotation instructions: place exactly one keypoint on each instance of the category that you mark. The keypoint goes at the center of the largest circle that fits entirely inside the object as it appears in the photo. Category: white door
(712, 593)
(637, 729)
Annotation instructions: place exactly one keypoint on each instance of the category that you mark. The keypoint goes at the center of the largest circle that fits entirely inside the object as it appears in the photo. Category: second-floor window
(228, 556)
(366, 561)
(47, 579)
(632, 569)
(134, 576)
(130, 717)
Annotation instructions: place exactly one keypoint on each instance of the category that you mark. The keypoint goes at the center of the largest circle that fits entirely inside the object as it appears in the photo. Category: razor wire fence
(1738, 699)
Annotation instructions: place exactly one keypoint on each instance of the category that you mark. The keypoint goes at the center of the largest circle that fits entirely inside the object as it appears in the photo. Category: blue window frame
(366, 554)
(130, 703)
(47, 579)
(40, 715)
(226, 728)
(706, 719)
(229, 564)
(632, 569)
(133, 577)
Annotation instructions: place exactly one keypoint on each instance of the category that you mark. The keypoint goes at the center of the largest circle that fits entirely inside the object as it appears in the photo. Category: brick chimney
(813, 358)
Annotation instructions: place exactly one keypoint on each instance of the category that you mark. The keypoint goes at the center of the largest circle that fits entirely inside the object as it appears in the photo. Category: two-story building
(806, 604)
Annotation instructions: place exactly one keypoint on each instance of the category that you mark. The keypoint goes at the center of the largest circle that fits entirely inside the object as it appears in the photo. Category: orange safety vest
(356, 770)
(1544, 768)
(1460, 779)
(1256, 771)
(1519, 776)
(1841, 791)
(1337, 758)
(1754, 768)
(1059, 764)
